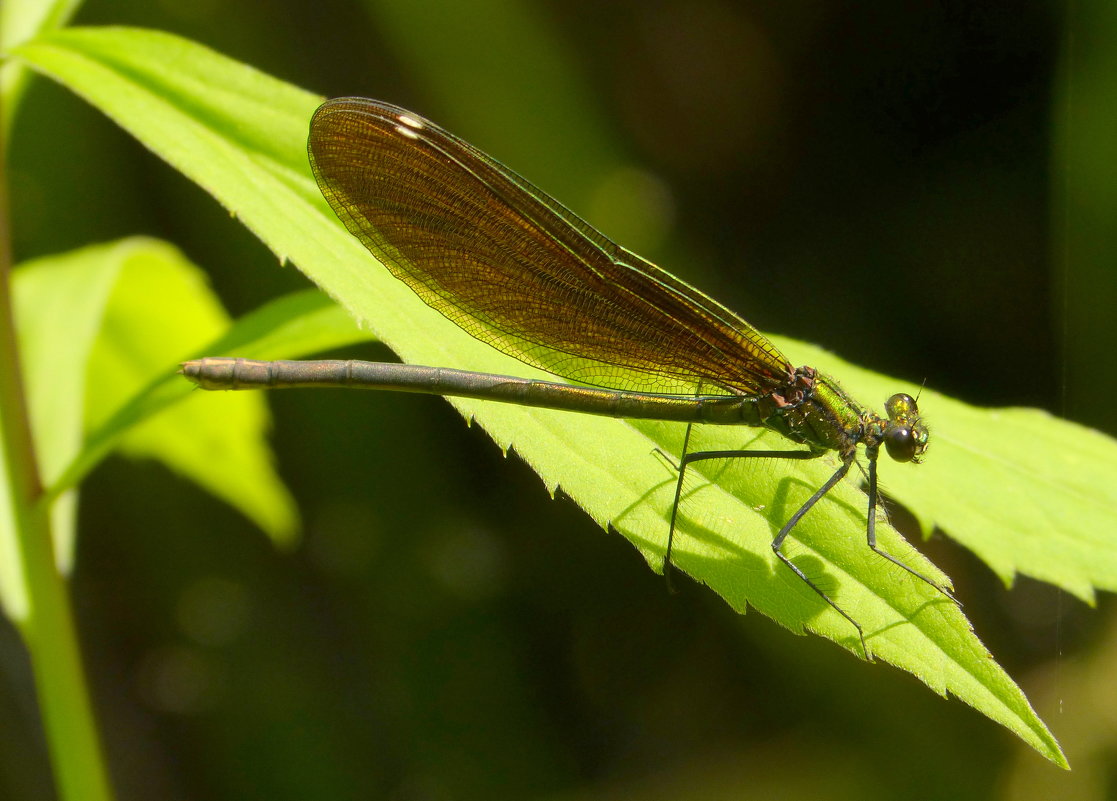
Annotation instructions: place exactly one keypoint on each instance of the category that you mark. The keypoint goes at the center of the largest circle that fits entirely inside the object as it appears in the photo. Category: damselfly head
(905, 437)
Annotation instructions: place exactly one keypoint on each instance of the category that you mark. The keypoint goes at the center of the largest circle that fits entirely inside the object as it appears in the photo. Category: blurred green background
(927, 189)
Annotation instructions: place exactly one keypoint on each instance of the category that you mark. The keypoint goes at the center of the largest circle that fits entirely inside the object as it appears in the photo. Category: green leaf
(291, 326)
(59, 302)
(100, 356)
(136, 342)
(21, 20)
(241, 136)
(1027, 492)
(91, 338)
(193, 434)
(220, 446)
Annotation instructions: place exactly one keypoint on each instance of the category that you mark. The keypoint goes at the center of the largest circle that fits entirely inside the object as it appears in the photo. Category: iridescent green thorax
(816, 411)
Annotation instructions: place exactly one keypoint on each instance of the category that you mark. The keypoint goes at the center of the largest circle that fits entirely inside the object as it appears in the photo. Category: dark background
(920, 187)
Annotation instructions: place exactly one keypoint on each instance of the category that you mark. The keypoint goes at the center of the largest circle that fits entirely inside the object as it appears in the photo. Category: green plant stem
(51, 639)
(37, 597)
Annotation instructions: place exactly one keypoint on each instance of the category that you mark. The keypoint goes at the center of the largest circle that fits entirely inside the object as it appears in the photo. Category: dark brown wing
(519, 271)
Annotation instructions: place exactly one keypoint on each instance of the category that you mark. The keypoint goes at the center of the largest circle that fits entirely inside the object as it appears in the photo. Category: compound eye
(900, 444)
(899, 405)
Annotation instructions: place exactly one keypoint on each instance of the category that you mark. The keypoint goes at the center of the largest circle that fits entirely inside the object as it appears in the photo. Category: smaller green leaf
(97, 350)
(59, 302)
(21, 20)
(91, 337)
(144, 330)
(219, 443)
(221, 447)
